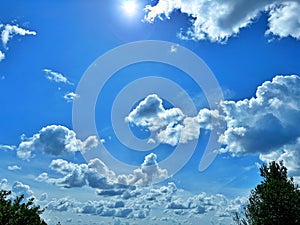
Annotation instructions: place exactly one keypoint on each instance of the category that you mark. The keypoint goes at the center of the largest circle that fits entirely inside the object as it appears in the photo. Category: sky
(129, 112)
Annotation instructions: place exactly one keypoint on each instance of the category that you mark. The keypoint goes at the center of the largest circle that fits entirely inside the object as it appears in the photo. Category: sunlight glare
(129, 7)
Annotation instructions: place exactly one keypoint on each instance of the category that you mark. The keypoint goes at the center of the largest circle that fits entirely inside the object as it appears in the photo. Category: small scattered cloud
(2, 56)
(15, 167)
(7, 147)
(217, 21)
(54, 140)
(56, 77)
(71, 96)
(10, 30)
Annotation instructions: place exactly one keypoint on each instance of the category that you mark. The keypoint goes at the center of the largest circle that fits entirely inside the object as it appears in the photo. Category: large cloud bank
(218, 20)
(266, 125)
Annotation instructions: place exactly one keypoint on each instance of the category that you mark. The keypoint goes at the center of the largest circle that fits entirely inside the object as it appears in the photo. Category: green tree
(18, 212)
(276, 201)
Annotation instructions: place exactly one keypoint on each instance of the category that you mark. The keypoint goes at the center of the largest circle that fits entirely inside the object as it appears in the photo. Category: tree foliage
(276, 201)
(18, 212)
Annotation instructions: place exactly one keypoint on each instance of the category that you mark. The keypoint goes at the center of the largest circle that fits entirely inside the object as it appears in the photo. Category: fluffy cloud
(11, 30)
(96, 174)
(265, 125)
(218, 20)
(151, 113)
(148, 173)
(19, 188)
(266, 122)
(54, 140)
(71, 96)
(166, 202)
(2, 56)
(56, 77)
(284, 20)
(170, 126)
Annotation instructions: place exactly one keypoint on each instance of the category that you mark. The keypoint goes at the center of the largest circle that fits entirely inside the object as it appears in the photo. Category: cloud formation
(267, 122)
(54, 140)
(168, 200)
(219, 20)
(56, 77)
(96, 174)
(19, 188)
(14, 167)
(2, 56)
(10, 30)
(266, 125)
(7, 147)
(169, 126)
(71, 96)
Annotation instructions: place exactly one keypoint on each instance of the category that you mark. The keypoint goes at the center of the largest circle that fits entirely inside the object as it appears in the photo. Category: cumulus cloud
(71, 96)
(218, 20)
(2, 56)
(54, 140)
(266, 122)
(19, 188)
(11, 30)
(56, 77)
(148, 173)
(284, 20)
(264, 125)
(96, 174)
(170, 126)
(168, 200)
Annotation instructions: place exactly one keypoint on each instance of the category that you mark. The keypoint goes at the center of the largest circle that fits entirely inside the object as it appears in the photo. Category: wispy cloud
(15, 167)
(56, 77)
(11, 30)
(71, 96)
(7, 147)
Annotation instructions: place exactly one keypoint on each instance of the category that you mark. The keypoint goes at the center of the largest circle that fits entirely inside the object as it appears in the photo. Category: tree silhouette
(276, 201)
(17, 212)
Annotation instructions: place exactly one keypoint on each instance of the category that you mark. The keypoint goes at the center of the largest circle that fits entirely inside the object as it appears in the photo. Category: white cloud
(54, 140)
(96, 174)
(148, 173)
(284, 20)
(15, 167)
(3, 184)
(267, 122)
(7, 147)
(170, 126)
(2, 56)
(265, 125)
(19, 188)
(218, 20)
(11, 30)
(151, 113)
(56, 77)
(71, 96)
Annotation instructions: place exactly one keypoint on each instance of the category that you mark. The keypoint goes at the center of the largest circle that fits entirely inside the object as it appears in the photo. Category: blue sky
(50, 48)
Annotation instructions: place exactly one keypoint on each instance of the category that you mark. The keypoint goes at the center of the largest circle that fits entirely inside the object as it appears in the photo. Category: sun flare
(129, 7)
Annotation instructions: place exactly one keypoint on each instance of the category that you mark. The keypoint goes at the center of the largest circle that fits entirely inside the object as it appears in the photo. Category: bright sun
(129, 7)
